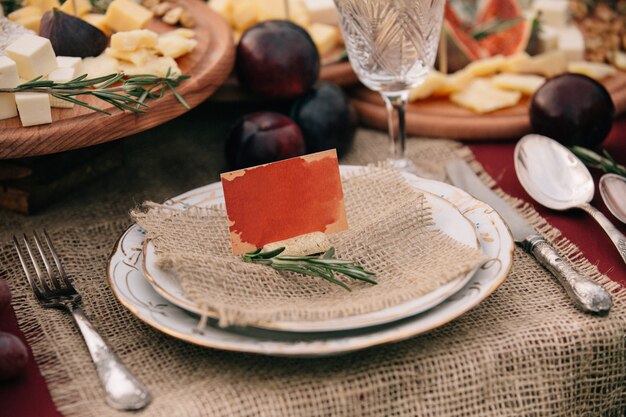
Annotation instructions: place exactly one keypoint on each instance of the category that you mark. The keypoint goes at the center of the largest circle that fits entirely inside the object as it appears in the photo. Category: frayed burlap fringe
(391, 234)
(524, 351)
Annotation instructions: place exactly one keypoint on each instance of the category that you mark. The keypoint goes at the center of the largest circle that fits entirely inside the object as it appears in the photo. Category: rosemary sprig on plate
(125, 93)
(323, 266)
(604, 162)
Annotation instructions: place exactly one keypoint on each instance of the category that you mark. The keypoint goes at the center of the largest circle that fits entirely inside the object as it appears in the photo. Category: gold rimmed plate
(135, 292)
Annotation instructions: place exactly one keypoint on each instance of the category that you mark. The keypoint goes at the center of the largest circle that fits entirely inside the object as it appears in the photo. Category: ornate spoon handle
(618, 239)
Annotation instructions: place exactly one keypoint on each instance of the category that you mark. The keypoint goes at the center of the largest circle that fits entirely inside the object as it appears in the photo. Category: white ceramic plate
(446, 216)
(133, 290)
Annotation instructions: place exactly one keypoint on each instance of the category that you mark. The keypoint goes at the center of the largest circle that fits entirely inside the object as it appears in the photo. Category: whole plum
(327, 119)
(261, 138)
(277, 59)
(572, 109)
(13, 356)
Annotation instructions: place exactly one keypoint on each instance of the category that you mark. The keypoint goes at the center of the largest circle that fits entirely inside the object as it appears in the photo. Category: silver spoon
(555, 178)
(613, 191)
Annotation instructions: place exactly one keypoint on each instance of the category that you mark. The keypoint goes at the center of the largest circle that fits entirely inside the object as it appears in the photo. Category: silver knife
(587, 295)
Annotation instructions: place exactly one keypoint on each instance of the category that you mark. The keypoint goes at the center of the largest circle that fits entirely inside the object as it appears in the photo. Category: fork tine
(40, 275)
(53, 279)
(57, 261)
(29, 276)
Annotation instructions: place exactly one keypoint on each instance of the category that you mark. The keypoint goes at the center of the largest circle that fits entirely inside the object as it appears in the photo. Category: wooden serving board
(440, 118)
(208, 64)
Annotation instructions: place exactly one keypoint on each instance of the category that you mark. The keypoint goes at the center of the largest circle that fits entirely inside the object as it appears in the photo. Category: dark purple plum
(277, 59)
(572, 109)
(261, 138)
(327, 119)
(13, 356)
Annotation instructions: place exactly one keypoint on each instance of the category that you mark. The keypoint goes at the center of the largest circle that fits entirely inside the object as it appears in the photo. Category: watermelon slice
(500, 28)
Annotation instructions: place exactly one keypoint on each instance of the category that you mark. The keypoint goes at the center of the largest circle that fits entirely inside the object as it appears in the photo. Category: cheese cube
(526, 84)
(553, 12)
(158, 66)
(44, 5)
(271, 9)
(34, 108)
(245, 14)
(175, 46)
(571, 42)
(133, 40)
(69, 62)
(100, 66)
(138, 57)
(325, 37)
(29, 17)
(481, 96)
(124, 15)
(323, 11)
(224, 8)
(8, 79)
(61, 75)
(33, 55)
(76, 7)
(299, 13)
(99, 21)
(595, 70)
(25, 12)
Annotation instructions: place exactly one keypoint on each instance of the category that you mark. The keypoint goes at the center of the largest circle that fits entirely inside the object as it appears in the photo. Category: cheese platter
(207, 60)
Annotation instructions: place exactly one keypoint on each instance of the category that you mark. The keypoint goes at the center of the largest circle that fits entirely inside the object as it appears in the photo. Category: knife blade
(587, 295)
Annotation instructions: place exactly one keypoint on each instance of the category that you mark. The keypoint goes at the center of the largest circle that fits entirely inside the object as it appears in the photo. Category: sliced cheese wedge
(433, 82)
(595, 70)
(481, 96)
(524, 83)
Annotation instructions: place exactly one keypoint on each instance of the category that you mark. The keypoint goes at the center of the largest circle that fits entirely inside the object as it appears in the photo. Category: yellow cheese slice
(486, 67)
(99, 21)
(595, 70)
(433, 82)
(175, 46)
(524, 83)
(325, 37)
(548, 64)
(44, 5)
(138, 57)
(82, 7)
(134, 40)
(481, 96)
(245, 14)
(157, 66)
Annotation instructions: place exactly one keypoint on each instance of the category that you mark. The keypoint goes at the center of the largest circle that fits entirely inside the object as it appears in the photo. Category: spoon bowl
(613, 191)
(554, 177)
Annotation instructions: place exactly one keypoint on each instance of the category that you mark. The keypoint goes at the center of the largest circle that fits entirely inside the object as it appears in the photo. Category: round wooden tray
(438, 117)
(208, 64)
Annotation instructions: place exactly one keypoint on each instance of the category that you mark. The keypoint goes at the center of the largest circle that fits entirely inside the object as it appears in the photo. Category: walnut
(579, 9)
(604, 12)
(187, 20)
(149, 4)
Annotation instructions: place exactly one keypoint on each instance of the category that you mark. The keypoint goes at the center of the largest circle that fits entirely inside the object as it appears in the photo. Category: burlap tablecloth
(525, 351)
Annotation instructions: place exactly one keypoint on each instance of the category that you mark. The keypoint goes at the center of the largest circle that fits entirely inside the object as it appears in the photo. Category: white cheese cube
(571, 42)
(34, 108)
(68, 62)
(553, 12)
(323, 11)
(61, 75)
(8, 79)
(548, 38)
(33, 55)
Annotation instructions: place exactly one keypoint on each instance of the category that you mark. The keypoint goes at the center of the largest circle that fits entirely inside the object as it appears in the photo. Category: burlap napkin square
(391, 233)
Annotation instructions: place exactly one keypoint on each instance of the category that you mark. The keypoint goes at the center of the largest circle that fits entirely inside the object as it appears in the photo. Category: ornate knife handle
(123, 390)
(618, 239)
(586, 294)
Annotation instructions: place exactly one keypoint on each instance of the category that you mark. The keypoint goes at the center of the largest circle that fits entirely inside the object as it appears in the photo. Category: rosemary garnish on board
(323, 266)
(125, 93)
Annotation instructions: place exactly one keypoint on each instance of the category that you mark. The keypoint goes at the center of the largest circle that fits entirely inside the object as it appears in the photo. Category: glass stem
(396, 103)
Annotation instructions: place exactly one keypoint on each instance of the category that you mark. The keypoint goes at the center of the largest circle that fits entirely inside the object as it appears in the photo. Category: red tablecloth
(28, 396)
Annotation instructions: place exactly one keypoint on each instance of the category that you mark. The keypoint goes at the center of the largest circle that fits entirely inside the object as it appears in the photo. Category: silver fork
(53, 289)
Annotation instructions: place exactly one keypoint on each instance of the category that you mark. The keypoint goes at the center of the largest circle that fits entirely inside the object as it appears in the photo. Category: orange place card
(284, 199)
